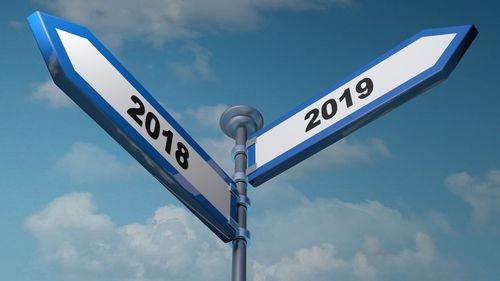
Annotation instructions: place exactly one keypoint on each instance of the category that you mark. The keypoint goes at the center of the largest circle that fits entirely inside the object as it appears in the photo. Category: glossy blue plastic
(390, 100)
(44, 29)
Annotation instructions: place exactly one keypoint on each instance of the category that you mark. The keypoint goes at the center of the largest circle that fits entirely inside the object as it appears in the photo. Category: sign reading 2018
(125, 109)
(152, 125)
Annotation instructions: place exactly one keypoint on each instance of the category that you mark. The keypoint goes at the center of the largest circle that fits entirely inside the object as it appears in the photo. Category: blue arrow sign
(87, 72)
(392, 79)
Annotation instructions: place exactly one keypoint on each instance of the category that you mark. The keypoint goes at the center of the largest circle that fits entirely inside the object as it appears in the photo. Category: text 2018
(152, 125)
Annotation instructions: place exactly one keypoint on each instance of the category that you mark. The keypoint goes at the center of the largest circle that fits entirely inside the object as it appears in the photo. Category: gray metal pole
(238, 122)
(240, 245)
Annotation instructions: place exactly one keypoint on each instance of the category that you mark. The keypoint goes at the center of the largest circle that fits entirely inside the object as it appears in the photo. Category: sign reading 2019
(330, 107)
(392, 79)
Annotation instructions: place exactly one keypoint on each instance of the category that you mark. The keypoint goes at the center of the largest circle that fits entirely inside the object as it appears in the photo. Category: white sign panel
(88, 73)
(378, 87)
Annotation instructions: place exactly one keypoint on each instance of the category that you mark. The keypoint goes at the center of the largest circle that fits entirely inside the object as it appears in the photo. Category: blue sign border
(44, 29)
(440, 71)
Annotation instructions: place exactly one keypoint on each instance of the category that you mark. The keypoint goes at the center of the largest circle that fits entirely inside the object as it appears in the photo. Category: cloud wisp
(482, 194)
(78, 240)
(87, 162)
(198, 68)
(322, 262)
(50, 93)
(163, 20)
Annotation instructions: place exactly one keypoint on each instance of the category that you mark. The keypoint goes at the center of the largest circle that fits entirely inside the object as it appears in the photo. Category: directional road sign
(87, 72)
(392, 79)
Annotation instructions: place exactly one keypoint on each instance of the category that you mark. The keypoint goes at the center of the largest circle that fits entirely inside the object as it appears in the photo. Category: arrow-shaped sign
(87, 72)
(397, 76)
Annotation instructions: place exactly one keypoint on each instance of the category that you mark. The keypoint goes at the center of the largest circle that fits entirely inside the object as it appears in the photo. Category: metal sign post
(238, 122)
(90, 75)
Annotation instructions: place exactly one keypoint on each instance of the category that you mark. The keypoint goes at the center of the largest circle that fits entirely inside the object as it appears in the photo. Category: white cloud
(88, 162)
(481, 193)
(305, 264)
(417, 262)
(354, 241)
(49, 92)
(325, 239)
(163, 20)
(85, 244)
(339, 223)
(160, 21)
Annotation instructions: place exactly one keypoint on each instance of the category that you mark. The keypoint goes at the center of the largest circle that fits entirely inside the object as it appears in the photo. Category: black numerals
(138, 111)
(347, 97)
(328, 110)
(153, 128)
(152, 125)
(313, 114)
(182, 155)
(364, 87)
(168, 144)
(330, 107)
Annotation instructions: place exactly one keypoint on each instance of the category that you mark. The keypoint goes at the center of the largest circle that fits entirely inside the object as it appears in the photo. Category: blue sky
(414, 195)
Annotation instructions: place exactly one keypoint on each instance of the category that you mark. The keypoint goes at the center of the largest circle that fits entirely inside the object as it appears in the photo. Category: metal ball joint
(240, 115)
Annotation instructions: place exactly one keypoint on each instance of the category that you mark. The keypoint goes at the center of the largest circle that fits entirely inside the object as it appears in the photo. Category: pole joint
(242, 234)
(240, 177)
(237, 150)
(244, 201)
